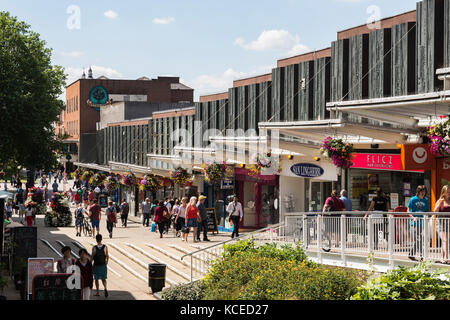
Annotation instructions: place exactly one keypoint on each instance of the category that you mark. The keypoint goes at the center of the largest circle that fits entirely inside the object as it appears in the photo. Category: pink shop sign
(378, 161)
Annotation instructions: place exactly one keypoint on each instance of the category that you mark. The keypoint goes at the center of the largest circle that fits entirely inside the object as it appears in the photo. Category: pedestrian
(192, 215)
(18, 200)
(100, 257)
(418, 203)
(70, 194)
(76, 197)
(60, 177)
(203, 222)
(55, 187)
(13, 181)
(125, 209)
(95, 215)
(175, 211)
(380, 203)
(161, 214)
(236, 215)
(6, 185)
(29, 211)
(9, 210)
(85, 195)
(146, 205)
(91, 195)
(66, 261)
(332, 204)
(347, 201)
(443, 205)
(111, 218)
(79, 218)
(153, 209)
(180, 220)
(86, 272)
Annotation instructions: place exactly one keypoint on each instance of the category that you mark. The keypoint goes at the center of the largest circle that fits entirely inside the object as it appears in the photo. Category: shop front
(389, 170)
(257, 196)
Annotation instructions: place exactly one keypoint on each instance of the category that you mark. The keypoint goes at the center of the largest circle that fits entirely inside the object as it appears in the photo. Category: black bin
(156, 276)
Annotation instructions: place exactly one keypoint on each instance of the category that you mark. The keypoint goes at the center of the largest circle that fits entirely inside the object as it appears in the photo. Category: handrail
(356, 213)
(234, 239)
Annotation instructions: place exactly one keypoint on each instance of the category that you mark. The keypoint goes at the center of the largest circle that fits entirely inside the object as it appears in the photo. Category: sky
(207, 43)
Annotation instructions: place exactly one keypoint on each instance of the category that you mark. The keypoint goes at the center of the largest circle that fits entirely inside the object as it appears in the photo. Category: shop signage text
(307, 170)
(378, 161)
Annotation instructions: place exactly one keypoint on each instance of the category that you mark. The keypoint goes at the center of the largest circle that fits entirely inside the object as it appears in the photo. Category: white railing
(386, 235)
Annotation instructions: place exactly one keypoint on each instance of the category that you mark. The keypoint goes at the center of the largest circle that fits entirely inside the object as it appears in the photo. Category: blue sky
(206, 43)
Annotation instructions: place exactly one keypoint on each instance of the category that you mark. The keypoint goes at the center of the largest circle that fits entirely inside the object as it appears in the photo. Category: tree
(29, 89)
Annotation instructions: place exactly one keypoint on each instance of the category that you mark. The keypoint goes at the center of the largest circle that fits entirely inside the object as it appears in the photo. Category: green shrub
(190, 291)
(246, 272)
(417, 283)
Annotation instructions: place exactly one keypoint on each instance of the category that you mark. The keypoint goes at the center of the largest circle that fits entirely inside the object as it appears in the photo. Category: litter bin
(156, 276)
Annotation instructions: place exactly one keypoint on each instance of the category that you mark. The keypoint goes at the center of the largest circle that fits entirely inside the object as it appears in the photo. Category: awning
(356, 133)
(124, 167)
(92, 166)
(412, 111)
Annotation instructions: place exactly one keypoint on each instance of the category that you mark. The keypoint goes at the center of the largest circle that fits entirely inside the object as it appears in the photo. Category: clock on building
(98, 95)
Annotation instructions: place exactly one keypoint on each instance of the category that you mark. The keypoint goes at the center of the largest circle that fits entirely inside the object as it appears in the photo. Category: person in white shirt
(236, 215)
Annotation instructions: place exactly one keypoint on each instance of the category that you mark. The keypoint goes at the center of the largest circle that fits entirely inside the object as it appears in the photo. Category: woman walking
(87, 273)
(192, 215)
(160, 217)
(174, 215)
(29, 211)
(100, 257)
(180, 220)
(443, 205)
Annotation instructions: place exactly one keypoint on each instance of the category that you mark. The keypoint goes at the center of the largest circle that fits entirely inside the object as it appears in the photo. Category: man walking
(204, 219)
(111, 218)
(101, 257)
(236, 215)
(419, 203)
(146, 206)
(124, 208)
(346, 200)
(94, 214)
(55, 186)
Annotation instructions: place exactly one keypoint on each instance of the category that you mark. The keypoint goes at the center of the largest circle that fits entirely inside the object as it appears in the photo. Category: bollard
(156, 276)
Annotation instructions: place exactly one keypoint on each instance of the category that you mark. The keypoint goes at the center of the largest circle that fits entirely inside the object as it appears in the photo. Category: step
(138, 261)
(125, 266)
(158, 260)
(183, 250)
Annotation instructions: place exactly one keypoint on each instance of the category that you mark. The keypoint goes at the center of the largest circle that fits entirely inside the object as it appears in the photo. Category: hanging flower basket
(60, 215)
(149, 183)
(98, 178)
(129, 180)
(180, 176)
(439, 136)
(263, 162)
(87, 175)
(215, 172)
(339, 152)
(78, 173)
(111, 184)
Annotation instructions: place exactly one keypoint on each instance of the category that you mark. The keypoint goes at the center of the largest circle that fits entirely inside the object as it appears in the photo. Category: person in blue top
(346, 200)
(419, 203)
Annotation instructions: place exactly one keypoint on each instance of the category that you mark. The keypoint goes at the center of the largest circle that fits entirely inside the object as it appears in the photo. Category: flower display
(129, 180)
(149, 183)
(263, 162)
(111, 183)
(439, 136)
(340, 153)
(179, 176)
(87, 175)
(98, 178)
(215, 172)
(78, 173)
(35, 197)
(60, 215)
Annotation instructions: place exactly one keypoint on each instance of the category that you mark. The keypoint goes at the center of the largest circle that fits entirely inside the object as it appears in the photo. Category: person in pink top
(192, 217)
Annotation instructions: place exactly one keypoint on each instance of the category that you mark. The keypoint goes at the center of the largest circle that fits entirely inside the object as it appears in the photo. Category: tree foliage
(29, 89)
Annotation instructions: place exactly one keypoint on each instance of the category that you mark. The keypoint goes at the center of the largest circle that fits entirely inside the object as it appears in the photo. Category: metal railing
(385, 235)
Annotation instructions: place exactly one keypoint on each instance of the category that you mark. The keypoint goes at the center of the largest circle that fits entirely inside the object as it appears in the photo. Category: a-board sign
(38, 266)
(54, 287)
(25, 240)
(212, 220)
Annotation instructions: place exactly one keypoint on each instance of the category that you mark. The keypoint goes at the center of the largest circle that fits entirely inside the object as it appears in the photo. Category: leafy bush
(190, 291)
(417, 283)
(268, 272)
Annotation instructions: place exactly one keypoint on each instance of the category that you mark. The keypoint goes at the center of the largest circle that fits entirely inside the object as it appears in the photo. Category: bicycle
(86, 227)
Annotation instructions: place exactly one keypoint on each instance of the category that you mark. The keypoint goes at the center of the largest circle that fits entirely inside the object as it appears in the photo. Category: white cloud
(297, 50)
(163, 20)
(72, 54)
(74, 74)
(111, 14)
(270, 40)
